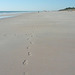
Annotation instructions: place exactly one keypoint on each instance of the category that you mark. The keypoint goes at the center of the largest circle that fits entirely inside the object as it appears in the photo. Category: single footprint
(27, 47)
(30, 42)
(14, 34)
(5, 35)
(27, 38)
(31, 36)
(25, 73)
(25, 62)
(29, 54)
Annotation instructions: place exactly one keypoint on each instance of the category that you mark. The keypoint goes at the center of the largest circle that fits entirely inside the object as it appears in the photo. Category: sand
(38, 44)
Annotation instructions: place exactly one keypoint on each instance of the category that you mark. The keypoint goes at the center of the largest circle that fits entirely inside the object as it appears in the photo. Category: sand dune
(38, 44)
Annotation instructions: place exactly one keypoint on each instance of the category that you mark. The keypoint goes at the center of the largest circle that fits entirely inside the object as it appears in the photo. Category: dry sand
(38, 44)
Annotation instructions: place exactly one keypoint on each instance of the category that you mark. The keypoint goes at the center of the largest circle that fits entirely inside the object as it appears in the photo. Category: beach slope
(38, 44)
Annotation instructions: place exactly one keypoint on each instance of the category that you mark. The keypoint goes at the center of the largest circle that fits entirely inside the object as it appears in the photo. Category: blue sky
(31, 5)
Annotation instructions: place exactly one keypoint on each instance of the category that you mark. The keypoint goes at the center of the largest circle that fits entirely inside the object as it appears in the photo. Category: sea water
(4, 13)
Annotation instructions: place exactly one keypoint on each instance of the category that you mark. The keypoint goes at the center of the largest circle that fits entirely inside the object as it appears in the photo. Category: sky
(35, 5)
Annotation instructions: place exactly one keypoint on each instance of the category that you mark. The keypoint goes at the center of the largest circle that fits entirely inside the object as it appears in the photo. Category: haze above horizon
(35, 5)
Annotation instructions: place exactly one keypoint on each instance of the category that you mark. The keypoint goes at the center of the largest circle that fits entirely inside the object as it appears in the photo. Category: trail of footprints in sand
(30, 36)
(25, 62)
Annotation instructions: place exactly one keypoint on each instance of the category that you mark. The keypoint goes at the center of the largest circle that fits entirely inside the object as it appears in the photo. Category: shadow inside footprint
(5, 35)
(27, 47)
(25, 62)
(31, 36)
(14, 34)
(30, 42)
(29, 54)
(27, 38)
(25, 73)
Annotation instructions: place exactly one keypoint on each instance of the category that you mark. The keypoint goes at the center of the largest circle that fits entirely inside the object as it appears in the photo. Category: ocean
(3, 14)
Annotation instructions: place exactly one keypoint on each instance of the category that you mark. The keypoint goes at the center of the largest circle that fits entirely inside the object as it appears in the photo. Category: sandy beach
(38, 44)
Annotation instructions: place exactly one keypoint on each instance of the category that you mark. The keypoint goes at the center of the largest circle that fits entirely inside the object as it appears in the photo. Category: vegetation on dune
(68, 9)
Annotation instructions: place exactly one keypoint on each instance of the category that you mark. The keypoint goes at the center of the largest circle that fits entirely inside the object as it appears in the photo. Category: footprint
(15, 35)
(29, 54)
(31, 36)
(4, 35)
(30, 42)
(25, 62)
(25, 73)
(27, 38)
(27, 47)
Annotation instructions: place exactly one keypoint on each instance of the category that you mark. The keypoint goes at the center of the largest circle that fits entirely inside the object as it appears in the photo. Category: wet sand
(38, 44)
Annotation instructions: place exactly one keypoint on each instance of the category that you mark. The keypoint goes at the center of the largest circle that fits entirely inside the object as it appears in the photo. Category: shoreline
(8, 14)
